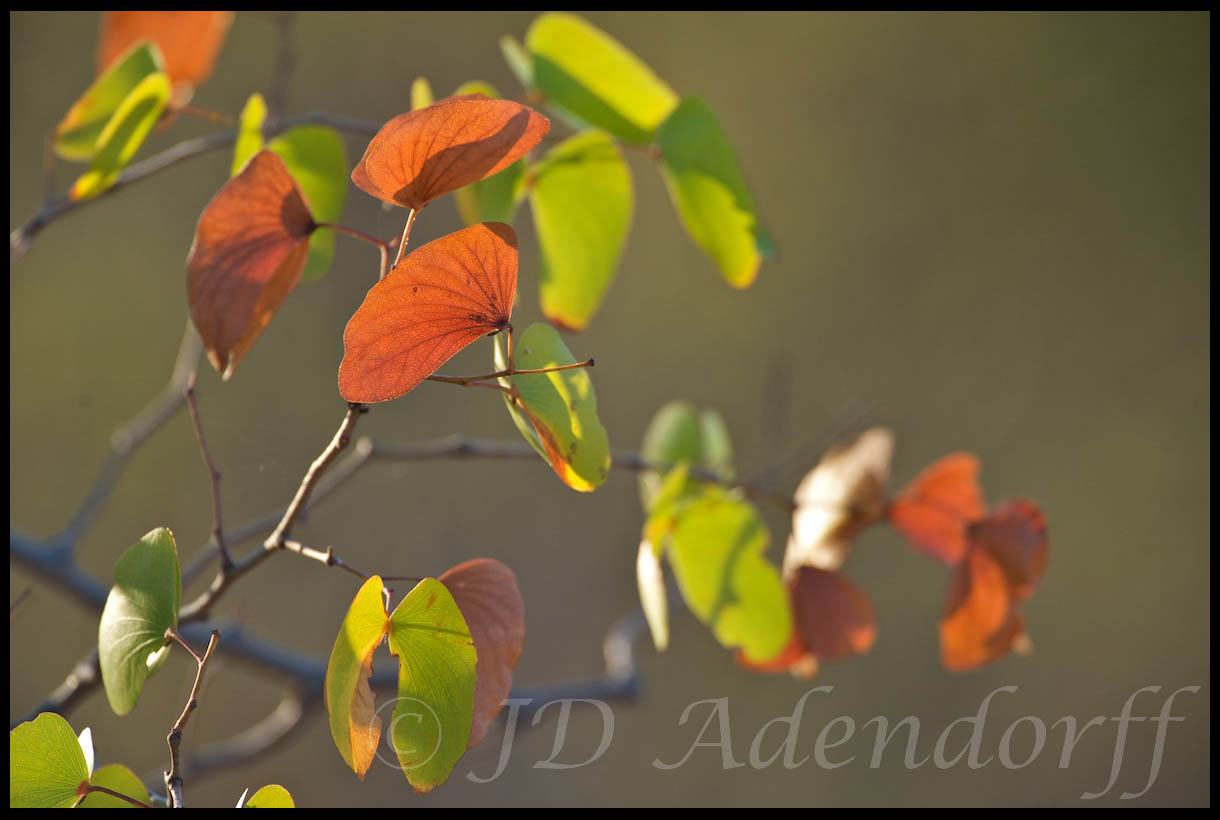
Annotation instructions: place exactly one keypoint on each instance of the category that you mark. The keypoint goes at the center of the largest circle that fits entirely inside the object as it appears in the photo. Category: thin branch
(218, 533)
(406, 234)
(285, 61)
(326, 558)
(382, 247)
(471, 381)
(120, 796)
(173, 778)
(82, 680)
(21, 239)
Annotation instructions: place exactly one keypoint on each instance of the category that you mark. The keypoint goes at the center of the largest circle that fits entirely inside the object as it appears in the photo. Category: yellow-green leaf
(581, 198)
(142, 604)
(710, 193)
(123, 135)
(117, 778)
(678, 433)
(315, 157)
(270, 797)
(436, 676)
(249, 132)
(519, 60)
(76, 136)
(557, 412)
(354, 724)
(46, 767)
(421, 93)
(585, 71)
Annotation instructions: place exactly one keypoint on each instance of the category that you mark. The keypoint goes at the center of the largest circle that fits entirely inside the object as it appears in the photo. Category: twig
(218, 533)
(104, 790)
(326, 558)
(52, 209)
(173, 778)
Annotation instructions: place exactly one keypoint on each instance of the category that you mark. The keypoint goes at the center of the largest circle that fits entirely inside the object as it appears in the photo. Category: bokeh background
(994, 236)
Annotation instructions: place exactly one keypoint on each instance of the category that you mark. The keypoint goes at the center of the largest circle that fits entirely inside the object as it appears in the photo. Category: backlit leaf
(123, 135)
(439, 299)
(709, 191)
(142, 604)
(354, 724)
(117, 778)
(189, 40)
(46, 768)
(557, 412)
(585, 71)
(419, 156)
(421, 93)
(653, 599)
(486, 593)
(315, 157)
(581, 198)
(270, 797)
(934, 510)
(495, 198)
(76, 136)
(519, 60)
(717, 551)
(249, 250)
(680, 434)
(432, 717)
(249, 132)
(844, 493)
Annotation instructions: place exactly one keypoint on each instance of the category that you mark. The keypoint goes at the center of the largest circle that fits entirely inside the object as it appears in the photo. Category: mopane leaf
(581, 198)
(709, 191)
(653, 599)
(844, 493)
(557, 412)
(46, 768)
(76, 136)
(123, 135)
(270, 797)
(315, 157)
(249, 132)
(189, 40)
(495, 198)
(585, 71)
(354, 724)
(935, 510)
(431, 724)
(117, 778)
(419, 156)
(143, 603)
(486, 593)
(679, 433)
(249, 250)
(439, 299)
(717, 550)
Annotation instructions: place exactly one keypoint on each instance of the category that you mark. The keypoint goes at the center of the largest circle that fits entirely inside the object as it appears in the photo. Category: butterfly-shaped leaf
(354, 723)
(46, 767)
(270, 797)
(935, 509)
(117, 778)
(123, 135)
(76, 136)
(494, 198)
(440, 298)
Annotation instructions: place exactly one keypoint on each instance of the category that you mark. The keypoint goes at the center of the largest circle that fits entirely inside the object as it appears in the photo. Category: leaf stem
(382, 247)
(406, 234)
(473, 381)
(218, 533)
(133, 801)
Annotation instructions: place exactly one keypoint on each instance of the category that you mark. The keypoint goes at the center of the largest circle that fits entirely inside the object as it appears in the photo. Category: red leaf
(1005, 557)
(935, 509)
(486, 593)
(189, 42)
(438, 300)
(249, 251)
(419, 156)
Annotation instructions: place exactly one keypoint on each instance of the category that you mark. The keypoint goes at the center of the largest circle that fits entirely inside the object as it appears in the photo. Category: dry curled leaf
(419, 156)
(249, 250)
(438, 300)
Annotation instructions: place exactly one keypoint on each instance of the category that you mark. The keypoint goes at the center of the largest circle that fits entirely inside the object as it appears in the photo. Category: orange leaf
(1005, 556)
(249, 251)
(419, 156)
(189, 42)
(935, 509)
(486, 593)
(437, 301)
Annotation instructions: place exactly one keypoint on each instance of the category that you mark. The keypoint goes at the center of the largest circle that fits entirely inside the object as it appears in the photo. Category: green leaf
(143, 603)
(436, 677)
(315, 157)
(557, 412)
(117, 778)
(249, 132)
(710, 193)
(354, 723)
(421, 93)
(123, 135)
(678, 433)
(581, 198)
(717, 551)
(76, 136)
(46, 767)
(588, 73)
(520, 63)
(270, 797)
(494, 199)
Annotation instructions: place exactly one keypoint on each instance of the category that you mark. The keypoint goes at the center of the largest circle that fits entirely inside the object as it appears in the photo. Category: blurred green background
(994, 236)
